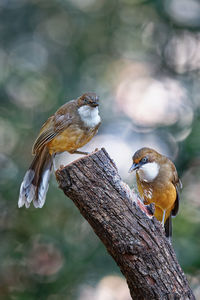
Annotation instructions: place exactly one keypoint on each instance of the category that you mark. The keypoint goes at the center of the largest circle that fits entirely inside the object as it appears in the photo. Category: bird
(72, 126)
(158, 182)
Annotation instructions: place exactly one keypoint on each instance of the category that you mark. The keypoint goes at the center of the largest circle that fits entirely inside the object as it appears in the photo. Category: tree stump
(134, 238)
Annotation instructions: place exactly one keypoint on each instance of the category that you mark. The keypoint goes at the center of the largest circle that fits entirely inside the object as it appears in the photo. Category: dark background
(143, 59)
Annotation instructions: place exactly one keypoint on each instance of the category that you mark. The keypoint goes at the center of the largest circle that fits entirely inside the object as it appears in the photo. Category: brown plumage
(157, 182)
(72, 126)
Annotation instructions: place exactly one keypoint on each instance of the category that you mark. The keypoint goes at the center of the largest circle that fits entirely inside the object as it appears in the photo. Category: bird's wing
(176, 204)
(54, 126)
(177, 183)
(46, 134)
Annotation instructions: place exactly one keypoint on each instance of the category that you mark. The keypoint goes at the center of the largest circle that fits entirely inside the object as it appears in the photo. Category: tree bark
(134, 238)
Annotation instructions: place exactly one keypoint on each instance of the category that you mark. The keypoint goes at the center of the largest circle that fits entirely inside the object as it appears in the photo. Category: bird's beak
(133, 167)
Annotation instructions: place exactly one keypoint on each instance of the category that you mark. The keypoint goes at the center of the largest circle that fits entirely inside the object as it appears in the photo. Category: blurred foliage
(143, 59)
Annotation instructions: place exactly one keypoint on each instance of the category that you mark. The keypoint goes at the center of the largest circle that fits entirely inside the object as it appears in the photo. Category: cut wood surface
(134, 238)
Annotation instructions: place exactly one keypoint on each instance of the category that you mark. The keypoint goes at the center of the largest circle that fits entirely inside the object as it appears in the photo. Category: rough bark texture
(135, 240)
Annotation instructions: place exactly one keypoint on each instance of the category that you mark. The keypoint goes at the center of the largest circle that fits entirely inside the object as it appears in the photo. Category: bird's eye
(144, 160)
(85, 101)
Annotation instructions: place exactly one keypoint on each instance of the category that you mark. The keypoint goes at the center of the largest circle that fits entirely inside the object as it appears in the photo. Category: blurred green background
(143, 60)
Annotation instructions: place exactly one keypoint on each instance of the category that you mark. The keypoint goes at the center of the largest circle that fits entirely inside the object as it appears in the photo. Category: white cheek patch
(149, 171)
(89, 115)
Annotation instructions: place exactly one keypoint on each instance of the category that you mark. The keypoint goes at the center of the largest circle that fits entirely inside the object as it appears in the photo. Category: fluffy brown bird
(157, 182)
(72, 126)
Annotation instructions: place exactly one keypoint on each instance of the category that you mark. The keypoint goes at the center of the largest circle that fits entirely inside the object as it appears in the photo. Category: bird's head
(88, 109)
(89, 99)
(146, 162)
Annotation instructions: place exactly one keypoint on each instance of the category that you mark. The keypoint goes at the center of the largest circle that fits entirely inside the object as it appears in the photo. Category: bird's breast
(163, 194)
(71, 139)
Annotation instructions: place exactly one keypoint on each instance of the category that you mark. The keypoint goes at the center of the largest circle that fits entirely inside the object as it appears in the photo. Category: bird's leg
(79, 152)
(163, 218)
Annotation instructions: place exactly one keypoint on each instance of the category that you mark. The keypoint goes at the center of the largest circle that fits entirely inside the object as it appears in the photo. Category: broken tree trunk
(135, 240)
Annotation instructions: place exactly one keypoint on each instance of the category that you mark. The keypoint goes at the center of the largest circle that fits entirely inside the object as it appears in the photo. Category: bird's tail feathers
(168, 227)
(36, 180)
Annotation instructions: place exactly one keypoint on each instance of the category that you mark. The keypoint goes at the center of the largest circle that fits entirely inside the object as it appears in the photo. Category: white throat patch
(148, 172)
(89, 115)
